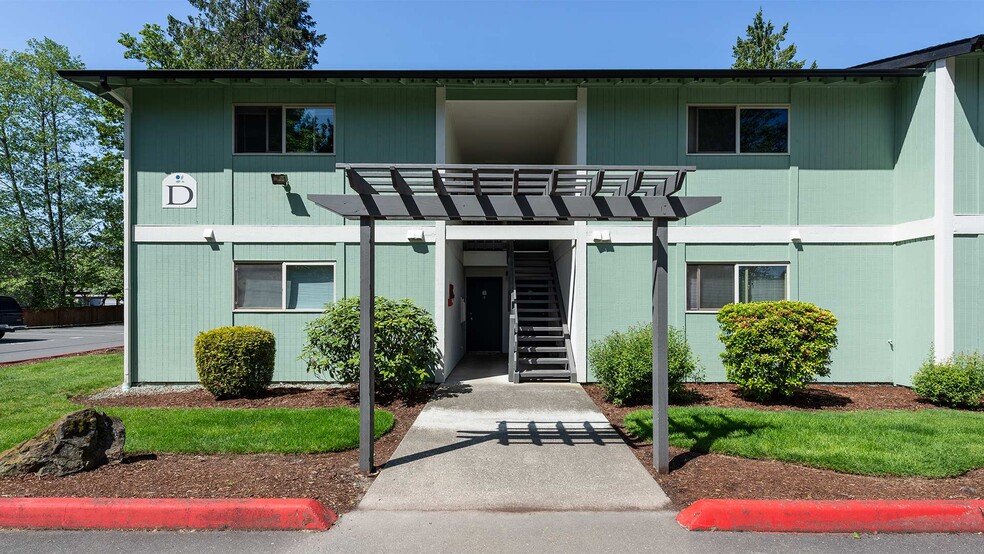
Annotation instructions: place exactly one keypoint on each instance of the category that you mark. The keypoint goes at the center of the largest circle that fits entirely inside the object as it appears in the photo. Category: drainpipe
(121, 98)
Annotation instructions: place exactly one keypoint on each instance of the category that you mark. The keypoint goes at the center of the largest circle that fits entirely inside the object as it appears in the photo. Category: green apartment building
(859, 189)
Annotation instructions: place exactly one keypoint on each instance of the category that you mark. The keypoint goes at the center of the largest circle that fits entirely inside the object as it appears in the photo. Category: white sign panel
(179, 190)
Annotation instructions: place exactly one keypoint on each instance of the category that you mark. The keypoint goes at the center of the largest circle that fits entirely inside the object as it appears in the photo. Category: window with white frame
(300, 286)
(711, 286)
(284, 129)
(737, 130)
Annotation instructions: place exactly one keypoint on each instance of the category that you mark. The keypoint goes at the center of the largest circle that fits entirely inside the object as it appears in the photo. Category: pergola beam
(462, 207)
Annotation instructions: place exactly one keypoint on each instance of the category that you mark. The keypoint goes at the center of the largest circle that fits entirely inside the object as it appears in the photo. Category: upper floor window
(711, 286)
(285, 129)
(737, 130)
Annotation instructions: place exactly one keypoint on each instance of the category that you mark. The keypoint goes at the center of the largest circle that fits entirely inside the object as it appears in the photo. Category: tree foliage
(762, 48)
(230, 34)
(59, 193)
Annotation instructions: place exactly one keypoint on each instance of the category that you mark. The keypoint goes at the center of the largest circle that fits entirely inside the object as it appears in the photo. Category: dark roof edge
(919, 58)
(80, 74)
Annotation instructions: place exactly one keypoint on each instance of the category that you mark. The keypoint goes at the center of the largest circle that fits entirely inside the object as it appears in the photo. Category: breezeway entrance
(521, 194)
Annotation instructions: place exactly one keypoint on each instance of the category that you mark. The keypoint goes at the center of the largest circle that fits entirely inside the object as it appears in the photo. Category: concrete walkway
(489, 445)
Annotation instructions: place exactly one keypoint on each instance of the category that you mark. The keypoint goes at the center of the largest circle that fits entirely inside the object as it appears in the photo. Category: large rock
(80, 441)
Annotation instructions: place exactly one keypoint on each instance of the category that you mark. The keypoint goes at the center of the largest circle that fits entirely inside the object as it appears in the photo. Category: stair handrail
(513, 314)
(562, 310)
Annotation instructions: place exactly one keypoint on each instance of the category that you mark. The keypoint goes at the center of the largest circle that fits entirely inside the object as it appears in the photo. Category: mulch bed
(695, 475)
(332, 478)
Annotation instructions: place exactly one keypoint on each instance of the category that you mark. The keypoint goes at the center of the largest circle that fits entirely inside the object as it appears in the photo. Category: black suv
(11, 316)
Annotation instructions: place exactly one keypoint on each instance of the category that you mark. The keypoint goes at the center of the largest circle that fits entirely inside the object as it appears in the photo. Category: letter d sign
(179, 190)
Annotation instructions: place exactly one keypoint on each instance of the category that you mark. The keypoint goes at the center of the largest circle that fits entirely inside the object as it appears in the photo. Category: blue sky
(468, 34)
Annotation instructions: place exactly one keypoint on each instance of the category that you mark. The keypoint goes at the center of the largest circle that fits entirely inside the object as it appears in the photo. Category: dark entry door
(484, 304)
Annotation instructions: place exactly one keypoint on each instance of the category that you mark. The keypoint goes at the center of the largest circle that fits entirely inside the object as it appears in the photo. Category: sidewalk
(489, 445)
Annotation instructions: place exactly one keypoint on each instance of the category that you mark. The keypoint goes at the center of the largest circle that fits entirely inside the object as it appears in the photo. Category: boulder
(80, 441)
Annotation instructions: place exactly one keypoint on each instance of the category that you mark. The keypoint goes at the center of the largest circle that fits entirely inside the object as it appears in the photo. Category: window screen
(310, 287)
(764, 130)
(710, 286)
(258, 129)
(311, 130)
(761, 283)
(258, 286)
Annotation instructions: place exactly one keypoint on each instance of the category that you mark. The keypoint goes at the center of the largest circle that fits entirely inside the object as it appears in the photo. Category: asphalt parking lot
(40, 343)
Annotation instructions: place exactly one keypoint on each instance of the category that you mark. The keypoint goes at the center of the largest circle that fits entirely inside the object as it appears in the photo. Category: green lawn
(35, 395)
(927, 443)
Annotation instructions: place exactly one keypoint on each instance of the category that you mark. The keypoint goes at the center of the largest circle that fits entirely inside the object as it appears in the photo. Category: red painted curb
(835, 516)
(166, 513)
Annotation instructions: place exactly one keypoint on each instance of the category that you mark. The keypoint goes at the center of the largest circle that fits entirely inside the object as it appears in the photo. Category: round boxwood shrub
(623, 364)
(957, 382)
(406, 345)
(773, 349)
(235, 361)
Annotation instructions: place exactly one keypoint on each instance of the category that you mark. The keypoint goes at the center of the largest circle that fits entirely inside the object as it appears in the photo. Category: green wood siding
(968, 298)
(914, 136)
(178, 291)
(913, 279)
(968, 143)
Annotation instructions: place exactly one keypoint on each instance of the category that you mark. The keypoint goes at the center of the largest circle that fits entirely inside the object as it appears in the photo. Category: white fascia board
(510, 232)
(276, 233)
(968, 224)
(768, 234)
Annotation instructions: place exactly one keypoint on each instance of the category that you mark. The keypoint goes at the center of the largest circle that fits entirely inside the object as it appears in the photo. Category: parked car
(11, 316)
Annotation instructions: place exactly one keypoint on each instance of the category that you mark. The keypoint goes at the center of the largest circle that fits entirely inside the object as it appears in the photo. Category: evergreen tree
(762, 48)
(231, 34)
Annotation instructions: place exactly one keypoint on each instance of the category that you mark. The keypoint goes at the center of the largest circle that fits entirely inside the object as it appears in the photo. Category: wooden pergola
(519, 193)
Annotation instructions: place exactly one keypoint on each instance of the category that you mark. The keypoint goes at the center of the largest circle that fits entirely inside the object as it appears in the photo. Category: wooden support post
(367, 317)
(661, 447)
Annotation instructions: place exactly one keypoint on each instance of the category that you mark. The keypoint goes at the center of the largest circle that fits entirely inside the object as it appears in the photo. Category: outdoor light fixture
(279, 179)
(415, 234)
(795, 236)
(601, 236)
(209, 234)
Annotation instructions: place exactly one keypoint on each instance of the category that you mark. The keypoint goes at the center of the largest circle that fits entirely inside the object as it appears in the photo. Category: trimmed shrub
(235, 361)
(623, 364)
(406, 344)
(957, 381)
(773, 349)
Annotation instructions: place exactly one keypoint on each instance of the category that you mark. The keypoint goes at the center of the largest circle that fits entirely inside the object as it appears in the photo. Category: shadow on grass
(703, 431)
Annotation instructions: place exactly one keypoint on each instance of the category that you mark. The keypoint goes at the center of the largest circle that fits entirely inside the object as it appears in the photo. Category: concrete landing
(485, 444)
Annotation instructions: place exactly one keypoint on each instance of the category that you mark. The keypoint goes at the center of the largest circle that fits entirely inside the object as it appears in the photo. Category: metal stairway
(540, 344)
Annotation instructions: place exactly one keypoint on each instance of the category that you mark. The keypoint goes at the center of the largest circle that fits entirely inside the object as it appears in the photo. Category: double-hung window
(711, 286)
(737, 130)
(285, 129)
(297, 286)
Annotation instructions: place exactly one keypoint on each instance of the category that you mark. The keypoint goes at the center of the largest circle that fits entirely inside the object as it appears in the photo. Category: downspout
(122, 99)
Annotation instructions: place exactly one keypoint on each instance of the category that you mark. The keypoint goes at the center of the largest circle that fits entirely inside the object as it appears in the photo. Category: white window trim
(736, 270)
(283, 129)
(283, 287)
(738, 108)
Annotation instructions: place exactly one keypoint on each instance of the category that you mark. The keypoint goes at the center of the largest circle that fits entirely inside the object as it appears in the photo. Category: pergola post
(367, 340)
(661, 447)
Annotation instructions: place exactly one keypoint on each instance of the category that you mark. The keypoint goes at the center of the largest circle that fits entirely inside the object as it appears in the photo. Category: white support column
(943, 218)
(440, 307)
(124, 97)
(579, 312)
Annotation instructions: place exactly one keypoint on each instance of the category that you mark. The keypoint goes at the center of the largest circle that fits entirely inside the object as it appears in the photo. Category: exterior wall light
(601, 236)
(279, 179)
(795, 236)
(415, 235)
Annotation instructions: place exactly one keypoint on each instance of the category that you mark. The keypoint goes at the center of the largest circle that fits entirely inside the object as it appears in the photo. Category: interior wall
(562, 253)
(454, 320)
(537, 132)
